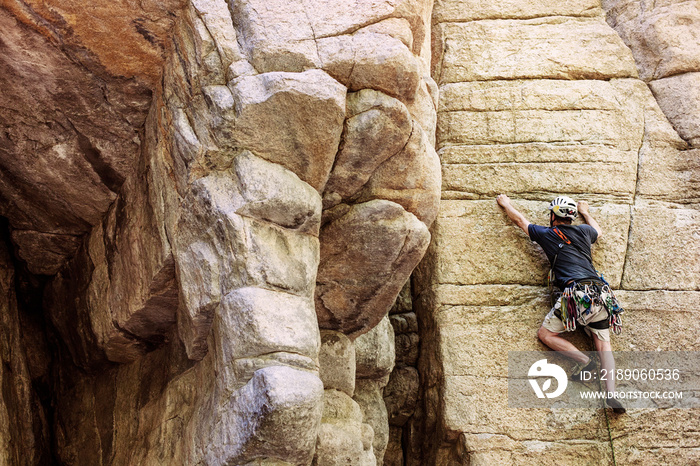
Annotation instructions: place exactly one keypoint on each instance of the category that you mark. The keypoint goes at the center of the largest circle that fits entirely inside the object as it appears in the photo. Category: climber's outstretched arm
(583, 210)
(514, 215)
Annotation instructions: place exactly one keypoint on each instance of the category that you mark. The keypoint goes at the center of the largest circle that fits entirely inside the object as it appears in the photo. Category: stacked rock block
(402, 391)
(539, 99)
(344, 438)
(375, 357)
(283, 185)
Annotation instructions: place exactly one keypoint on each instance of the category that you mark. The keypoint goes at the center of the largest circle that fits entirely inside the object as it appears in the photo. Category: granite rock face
(209, 208)
(378, 238)
(185, 173)
(665, 42)
(519, 114)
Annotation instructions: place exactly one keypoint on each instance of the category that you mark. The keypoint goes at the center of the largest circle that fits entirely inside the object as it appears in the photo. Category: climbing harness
(582, 301)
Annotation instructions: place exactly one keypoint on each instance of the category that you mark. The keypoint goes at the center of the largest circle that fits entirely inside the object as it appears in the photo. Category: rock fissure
(109, 177)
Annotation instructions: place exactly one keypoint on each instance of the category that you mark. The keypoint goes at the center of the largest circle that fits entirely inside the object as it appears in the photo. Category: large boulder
(293, 119)
(376, 128)
(367, 253)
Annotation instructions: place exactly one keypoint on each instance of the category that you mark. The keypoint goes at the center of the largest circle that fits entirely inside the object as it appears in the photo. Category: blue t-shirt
(571, 264)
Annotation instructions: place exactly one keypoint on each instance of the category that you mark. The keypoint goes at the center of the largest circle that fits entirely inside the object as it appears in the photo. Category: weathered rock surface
(549, 48)
(126, 38)
(368, 394)
(374, 352)
(77, 87)
(52, 248)
(664, 40)
(256, 321)
(377, 127)
(124, 286)
(367, 253)
(410, 178)
(70, 139)
(667, 170)
(275, 415)
(229, 254)
(24, 434)
(294, 119)
(374, 356)
(459, 11)
(663, 36)
(343, 438)
(337, 362)
(597, 135)
(659, 268)
(207, 183)
(385, 63)
(679, 98)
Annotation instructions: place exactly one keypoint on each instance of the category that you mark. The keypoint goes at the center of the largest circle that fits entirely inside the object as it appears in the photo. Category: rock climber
(583, 298)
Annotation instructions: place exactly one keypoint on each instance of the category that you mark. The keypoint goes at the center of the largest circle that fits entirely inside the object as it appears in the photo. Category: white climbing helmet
(564, 207)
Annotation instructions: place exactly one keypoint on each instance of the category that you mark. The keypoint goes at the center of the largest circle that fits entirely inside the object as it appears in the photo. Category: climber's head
(562, 210)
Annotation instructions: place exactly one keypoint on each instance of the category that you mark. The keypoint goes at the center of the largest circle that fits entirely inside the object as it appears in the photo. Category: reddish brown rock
(70, 140)
(24, 431)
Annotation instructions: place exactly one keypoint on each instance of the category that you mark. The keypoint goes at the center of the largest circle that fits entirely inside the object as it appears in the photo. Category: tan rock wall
(665, 42)
(530, 107)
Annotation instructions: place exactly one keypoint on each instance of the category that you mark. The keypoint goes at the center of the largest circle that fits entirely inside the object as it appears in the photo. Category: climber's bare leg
(607, 362)
(557, 343)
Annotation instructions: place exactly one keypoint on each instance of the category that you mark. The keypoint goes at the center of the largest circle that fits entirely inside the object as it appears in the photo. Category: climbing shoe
(589, 366)
(615, 405)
